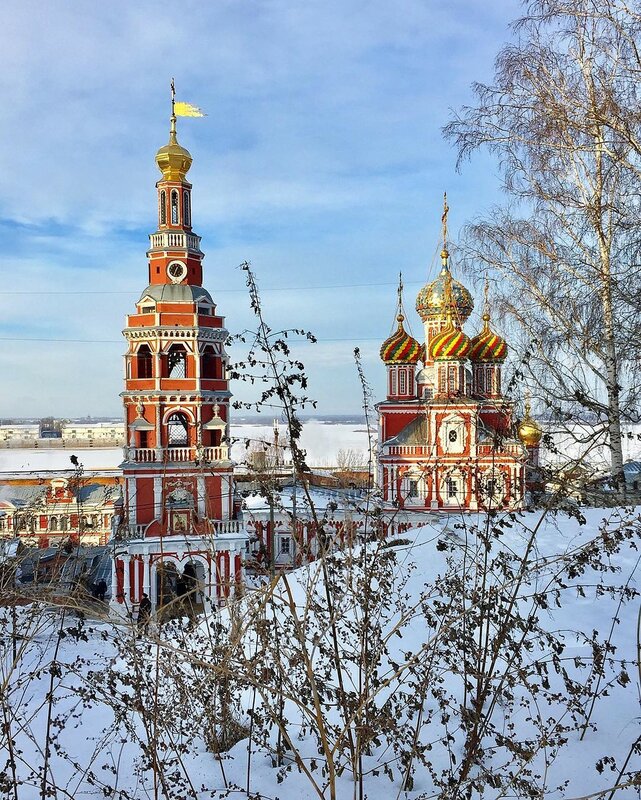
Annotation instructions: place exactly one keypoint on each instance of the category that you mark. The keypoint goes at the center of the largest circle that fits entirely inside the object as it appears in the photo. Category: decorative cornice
(151, 396)
(206, 334)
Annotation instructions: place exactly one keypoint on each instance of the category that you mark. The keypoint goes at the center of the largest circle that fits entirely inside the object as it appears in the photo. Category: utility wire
(120, 341)
(219, 291)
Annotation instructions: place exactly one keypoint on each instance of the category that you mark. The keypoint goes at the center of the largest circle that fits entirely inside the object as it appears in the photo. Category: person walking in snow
(144, 614)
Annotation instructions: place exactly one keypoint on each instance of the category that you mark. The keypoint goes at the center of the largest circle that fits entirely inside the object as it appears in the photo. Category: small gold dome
(530, 432)
(173, 160)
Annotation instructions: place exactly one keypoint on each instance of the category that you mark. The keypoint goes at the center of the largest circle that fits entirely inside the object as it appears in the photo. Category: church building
(447, 434)
(178, 476)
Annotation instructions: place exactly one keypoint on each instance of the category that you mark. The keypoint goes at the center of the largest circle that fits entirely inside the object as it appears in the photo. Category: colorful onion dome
(487, 345)
(529, 430)
(451, 344)
(430, 301)
(401, 348)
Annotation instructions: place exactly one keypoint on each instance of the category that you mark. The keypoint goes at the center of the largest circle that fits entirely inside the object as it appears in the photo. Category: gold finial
(399, 314)
(486, 303)
(444, 251)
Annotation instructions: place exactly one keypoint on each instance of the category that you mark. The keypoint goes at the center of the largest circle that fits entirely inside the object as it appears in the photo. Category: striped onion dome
(451, 344)
(487, 345)
(401, 348)
(431, 298)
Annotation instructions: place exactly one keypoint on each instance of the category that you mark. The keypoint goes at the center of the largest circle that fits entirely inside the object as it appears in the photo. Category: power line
(120, 341)
(220, 291)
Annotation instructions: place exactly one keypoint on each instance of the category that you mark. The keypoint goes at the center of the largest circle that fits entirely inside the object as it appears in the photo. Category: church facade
(448, 440)
(178, 476)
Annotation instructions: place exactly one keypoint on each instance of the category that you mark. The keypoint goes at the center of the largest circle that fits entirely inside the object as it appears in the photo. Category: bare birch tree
(563, 116)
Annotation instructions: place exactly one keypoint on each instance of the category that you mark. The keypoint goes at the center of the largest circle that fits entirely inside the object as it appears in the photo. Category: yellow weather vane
(182, 109)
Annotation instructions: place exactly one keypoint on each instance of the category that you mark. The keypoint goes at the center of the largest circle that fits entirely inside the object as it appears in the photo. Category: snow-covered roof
(26, 496)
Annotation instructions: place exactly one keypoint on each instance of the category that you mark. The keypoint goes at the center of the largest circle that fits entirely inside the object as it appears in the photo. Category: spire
(401, 347)
(445, 252)
(486, 304)
(173, 160)
(487, 346)
(399, 312)
(172, 119)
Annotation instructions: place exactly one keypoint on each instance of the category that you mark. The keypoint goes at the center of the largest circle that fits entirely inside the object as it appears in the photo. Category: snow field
(105, 679)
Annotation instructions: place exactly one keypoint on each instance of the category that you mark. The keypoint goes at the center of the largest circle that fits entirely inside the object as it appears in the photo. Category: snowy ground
(104, 681)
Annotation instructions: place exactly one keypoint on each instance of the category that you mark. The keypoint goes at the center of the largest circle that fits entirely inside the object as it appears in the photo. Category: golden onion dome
(401, 348)
(529, 430)
(487, 345)
(173, 160)
(431, 298)
(451, 344)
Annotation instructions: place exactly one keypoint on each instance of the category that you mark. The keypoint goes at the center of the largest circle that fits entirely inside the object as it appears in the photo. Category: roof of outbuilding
(24, 496)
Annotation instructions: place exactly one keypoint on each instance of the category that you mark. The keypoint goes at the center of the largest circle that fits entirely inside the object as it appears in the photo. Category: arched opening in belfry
(209, 365)
(174, 207)
(177, 361)
(144, 362)
(163, 207)
(177, 430)
(186, 209)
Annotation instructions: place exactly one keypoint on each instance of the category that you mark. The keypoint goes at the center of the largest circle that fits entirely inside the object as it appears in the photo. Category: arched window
(178, 430)
(64, 524)
(174, 207)
(177, 362)
(208, 363)
(53, 523)
(163, 207)
(186, 209)
(144, 362)
(452, 379)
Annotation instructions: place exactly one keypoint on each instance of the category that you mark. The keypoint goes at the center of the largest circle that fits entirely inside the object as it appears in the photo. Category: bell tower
(178, 476)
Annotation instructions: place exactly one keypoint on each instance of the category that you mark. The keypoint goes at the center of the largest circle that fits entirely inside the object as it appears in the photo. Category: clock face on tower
(176, 271)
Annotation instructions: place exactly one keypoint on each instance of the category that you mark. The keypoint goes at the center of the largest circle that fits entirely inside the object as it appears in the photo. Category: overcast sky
(321, 161)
